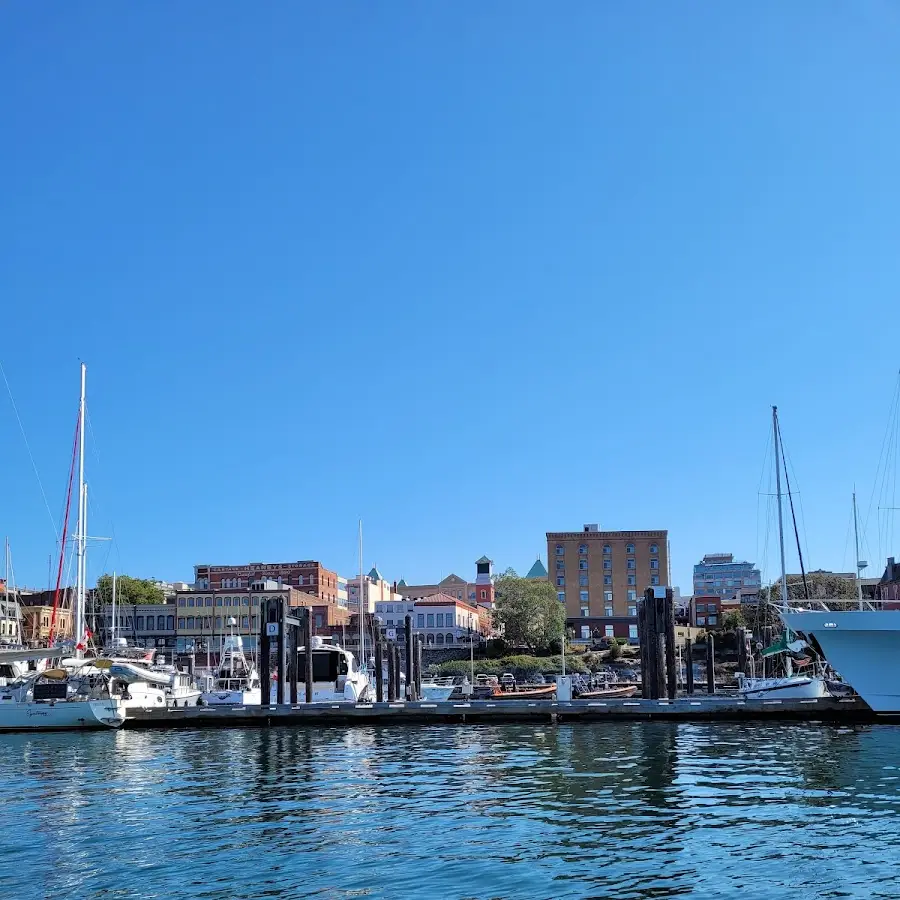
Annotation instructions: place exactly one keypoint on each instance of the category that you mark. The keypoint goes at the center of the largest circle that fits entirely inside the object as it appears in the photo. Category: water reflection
(631, 810)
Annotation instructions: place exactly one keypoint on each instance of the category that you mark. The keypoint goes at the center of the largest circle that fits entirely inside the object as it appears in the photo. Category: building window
(561, 596)
(181, 601)
(170, 623)
(190, 601)
(582, 549)
(632, 610)
(632, 596)
(483, 595)
(654, 548)
(218, 601)
(607, 579)
(560, 581)
(429, 620)
(654, 563)
(632, 632)
(632, 579)
(190, 621)
(607, 596)
(630, 564)
(180, 622)
(318, 621)
(607, 549)
(582, 581)
(440, 637)
(585, 612)
(218, 621)
(712, 620)
(629, 548)
(701, 620)
(449, 638)
(245, 601)
(440, 620)
(582, 565)
(607, 564)
(560, 566)
(254, 623)
(245, 622)
(450, 620)
(560, 550)
(654, 579)
(701, 607)
(140, 623)
(583, 596)
(609, 631)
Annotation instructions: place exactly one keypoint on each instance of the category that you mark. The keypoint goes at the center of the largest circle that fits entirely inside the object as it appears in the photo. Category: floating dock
(700, 709)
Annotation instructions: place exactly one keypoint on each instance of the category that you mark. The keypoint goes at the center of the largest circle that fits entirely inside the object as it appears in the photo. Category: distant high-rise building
(719, 575)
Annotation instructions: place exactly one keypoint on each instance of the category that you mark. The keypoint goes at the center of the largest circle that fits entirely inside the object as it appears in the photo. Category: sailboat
(62, 698)
(789, 687)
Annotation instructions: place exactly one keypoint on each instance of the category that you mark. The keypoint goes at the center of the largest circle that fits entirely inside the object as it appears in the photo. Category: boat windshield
(327, 665)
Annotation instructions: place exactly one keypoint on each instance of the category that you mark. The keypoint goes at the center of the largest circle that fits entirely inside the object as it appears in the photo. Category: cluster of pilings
(391, 651)
(656, 633)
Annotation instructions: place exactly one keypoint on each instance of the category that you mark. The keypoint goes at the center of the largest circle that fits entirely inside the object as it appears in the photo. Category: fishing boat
(789, 687)
(544, 692)
(61, 698)
(612, 693)
(237, 680)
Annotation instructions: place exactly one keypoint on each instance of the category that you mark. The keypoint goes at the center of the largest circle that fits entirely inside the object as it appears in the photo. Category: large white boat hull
(252, 697)
(30, 715)
(863, 646)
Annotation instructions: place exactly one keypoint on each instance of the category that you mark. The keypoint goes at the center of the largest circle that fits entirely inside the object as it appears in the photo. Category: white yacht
(336, 675)
(236, 680)
(149, 682)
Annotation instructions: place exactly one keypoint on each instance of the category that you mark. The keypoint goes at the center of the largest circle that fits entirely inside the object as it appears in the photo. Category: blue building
(717, 574)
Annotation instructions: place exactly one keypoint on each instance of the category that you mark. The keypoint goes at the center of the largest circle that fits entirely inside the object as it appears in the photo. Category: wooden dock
(699, 709)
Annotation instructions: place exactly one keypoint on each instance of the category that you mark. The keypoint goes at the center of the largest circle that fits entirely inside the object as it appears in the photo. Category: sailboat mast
(859, 595)
(115, 621)
(362, 605)
(784, 591)
(81, 542)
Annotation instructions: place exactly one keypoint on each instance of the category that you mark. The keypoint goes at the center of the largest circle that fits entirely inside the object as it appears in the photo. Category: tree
(733, 620)
(528, 612)
(615, 651)
(821, 585)
(129, 591)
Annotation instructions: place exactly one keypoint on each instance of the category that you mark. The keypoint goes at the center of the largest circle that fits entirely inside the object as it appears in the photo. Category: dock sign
(272, 629)
(391, 634)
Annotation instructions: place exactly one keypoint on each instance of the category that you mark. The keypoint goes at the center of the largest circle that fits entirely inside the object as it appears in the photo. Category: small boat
(336, 675)
(537, 693)
(237, 681)
(612, 693)
(794, 687)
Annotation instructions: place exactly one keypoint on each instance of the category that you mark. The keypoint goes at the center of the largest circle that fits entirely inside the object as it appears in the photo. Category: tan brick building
(600, 575)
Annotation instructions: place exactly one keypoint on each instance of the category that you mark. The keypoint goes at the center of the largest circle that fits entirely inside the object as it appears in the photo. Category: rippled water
(605, 810)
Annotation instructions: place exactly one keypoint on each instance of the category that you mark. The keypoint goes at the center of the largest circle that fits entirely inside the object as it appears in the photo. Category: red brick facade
(309, 576)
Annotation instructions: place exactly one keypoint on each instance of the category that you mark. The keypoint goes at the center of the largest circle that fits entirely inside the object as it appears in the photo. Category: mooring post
(410, 650)
(265, 671)
(689, 666)
(308, 657)
(643, 644)
(392, 691)
(282, 674)
(710, 664)
(671, 661)
(293, 661)
(652, 647)
(398, 672)
(420, 645)
(379, 673)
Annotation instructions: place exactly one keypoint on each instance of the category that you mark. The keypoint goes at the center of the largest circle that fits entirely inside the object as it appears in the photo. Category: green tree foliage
(615, 651)
(528, 612)
(129, 591)
(821, 585)
(733, 620)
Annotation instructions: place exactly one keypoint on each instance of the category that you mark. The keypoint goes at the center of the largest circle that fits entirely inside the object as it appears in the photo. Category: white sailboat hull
(793, 688)
(33, 715)
(863, 646)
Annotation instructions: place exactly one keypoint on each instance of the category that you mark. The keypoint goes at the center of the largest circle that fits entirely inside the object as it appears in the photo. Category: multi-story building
(141, 624)
(480, 591)
(720, 575)
(706, 611)
(9, 616)
(599, 576)
(37, 614)
(375, 590)
(445, 621)
(306, 575)
(203, 615)
(343, 593)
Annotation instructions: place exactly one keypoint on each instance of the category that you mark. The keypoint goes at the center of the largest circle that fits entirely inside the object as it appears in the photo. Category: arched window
(429, 639)
(629, 548)
(218, 621)
(440, 638)
(449, 638)
(582, 549)
(161, 623)
(607, 548)
(560, 550)
(654, 548)
(170, 623)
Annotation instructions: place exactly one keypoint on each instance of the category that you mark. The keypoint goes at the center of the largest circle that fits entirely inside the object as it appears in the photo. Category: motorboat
(237, 680)
(336, 675)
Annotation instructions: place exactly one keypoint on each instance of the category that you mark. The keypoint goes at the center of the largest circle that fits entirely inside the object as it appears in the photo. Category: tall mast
(115, 621)
(859, 563)
(784, 591)
(81, 541)
(362, 604)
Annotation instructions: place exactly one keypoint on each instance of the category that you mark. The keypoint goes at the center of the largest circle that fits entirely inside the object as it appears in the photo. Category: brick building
(599, 576)
(309, 576)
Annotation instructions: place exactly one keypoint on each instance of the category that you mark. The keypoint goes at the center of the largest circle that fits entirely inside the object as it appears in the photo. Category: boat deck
(489, 712)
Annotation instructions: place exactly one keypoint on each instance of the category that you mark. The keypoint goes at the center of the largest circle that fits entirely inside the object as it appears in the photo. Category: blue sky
(468, 271)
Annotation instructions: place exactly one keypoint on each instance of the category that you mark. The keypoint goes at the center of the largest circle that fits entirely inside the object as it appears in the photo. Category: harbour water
(624, 810)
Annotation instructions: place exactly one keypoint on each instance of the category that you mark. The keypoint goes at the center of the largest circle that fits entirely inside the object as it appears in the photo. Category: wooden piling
(398, 681)
(689, 666)
(307, 643)
(379, 673)
(265, 671)
(282, 674)
(420, 647)
(410, 681)
(652, 646)
(293, 663)
(671, 660)
(710, 664)
(392, 690)
(643, 644)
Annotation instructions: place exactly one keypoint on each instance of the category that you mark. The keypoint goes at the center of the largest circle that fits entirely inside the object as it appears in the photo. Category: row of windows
(206, 622)
(435, 620)
(707, 620)
(145, 623)
(630, 564)
(607, 549)
(702, 607)
(400, 607)
(221, 601)
(607, 579)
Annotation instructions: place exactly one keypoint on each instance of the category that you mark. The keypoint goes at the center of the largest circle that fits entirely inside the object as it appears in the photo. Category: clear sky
(469, 271)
